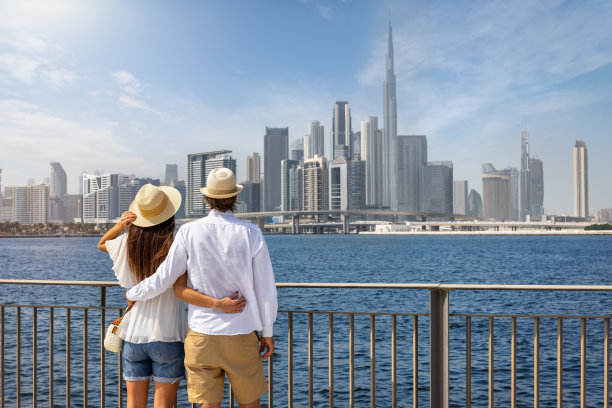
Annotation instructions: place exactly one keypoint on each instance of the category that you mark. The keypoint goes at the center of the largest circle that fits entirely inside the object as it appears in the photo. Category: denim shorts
(162, 361)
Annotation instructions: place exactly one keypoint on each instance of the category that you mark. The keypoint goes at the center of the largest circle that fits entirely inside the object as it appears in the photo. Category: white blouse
(161, 318)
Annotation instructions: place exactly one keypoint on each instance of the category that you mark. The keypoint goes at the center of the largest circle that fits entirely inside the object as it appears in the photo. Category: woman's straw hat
(221, 183)
(154, 205)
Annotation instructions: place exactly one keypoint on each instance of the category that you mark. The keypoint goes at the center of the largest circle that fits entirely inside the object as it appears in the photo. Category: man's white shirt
(222, 255)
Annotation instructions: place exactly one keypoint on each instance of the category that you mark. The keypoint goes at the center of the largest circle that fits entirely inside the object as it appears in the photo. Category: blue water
(580, 260)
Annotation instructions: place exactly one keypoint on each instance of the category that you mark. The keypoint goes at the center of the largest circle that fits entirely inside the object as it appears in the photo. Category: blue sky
(127, 86)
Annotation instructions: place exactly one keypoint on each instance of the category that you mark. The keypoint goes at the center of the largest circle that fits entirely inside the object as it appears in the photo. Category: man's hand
(266, 342)
(231, 304)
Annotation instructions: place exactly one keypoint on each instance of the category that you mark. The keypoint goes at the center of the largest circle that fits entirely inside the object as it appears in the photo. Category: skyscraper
(390, 182)
(57, 181)
(438, 187)
(496, 193)
(314, 141)
(291, 185)
(411, 160)
(276, 149)
(338, 184)
(474, 204)
(581, 180)
(525, 186)
(371, 152)
(253, 169)
(171, 173)
(296, 150)
(196, 179)
(341, 130)
(460, 197)
(536, 170)
(315, 187)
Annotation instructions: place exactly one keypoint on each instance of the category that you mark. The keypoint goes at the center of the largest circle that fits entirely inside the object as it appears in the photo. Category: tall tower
(390, 131)
(171, 173)
(581, 180)
(370, 153)
(276, 149)
(253, 168)
(314, 141)
(57, 181)
(525, 188)
(341, 130)
(196, 179)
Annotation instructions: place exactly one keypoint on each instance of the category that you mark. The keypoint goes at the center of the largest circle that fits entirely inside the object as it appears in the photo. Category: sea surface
(542, 260)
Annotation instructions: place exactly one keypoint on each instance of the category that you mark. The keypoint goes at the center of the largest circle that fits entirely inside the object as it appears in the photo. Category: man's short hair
(221, 204)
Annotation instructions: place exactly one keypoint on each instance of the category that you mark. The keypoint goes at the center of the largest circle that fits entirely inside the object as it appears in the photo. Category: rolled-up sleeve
(265, 286)
(166, 274)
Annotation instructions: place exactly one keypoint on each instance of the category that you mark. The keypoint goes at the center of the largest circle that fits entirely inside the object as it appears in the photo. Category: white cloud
(127, 81)
(21, 68)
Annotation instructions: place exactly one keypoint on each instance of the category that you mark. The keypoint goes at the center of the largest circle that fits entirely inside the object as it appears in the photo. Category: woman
(153, 331)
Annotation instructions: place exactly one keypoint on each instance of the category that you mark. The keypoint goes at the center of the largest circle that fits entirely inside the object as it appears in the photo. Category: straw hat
(221, 183)
(154, 205)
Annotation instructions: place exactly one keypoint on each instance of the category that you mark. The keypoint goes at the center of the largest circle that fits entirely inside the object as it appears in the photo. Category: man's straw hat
(221, 183)
(154, 205)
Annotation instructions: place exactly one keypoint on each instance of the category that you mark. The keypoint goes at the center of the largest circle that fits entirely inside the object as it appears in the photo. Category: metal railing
(401, 349)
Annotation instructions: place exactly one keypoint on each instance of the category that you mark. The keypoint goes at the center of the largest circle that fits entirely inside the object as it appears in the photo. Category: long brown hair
(148, 247)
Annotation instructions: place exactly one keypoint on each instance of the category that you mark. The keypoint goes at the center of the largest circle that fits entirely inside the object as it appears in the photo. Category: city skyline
(107, 99)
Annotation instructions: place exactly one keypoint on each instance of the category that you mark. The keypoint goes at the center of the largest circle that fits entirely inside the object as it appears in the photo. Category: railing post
(439, 392)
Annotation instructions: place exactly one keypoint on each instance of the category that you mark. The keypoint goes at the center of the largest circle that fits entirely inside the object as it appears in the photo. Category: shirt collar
(222, 214)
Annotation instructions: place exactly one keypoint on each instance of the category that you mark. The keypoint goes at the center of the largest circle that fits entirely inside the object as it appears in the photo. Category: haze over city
(128, 87)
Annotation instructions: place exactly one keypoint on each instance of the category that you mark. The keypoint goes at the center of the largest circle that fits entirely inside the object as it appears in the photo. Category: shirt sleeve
(166, 274)
(265, 286)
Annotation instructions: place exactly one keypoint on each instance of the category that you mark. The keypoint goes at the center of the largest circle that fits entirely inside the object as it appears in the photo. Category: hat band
(155, 210)
(220, 192)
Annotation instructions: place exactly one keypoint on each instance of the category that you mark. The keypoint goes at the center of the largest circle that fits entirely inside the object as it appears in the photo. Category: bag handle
(118, 321)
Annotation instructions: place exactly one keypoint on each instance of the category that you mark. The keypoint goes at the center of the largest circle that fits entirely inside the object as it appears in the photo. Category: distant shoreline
(52, 236)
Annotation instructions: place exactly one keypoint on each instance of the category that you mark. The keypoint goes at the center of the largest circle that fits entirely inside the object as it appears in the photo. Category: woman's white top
(159, 319)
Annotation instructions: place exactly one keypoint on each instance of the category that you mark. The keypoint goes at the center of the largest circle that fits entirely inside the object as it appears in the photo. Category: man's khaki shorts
(208, 358)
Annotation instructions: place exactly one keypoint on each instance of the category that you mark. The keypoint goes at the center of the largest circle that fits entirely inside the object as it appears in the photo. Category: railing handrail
(355, 285)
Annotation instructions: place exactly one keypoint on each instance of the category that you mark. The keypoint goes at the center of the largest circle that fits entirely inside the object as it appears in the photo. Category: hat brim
(174, 203)
(207, 193)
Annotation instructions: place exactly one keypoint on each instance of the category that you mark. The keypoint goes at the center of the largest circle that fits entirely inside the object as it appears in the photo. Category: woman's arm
(126, 220)
(229, 304)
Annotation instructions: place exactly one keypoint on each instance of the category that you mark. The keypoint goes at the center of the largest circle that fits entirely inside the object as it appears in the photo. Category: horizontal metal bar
(529, 316)
(372, 285)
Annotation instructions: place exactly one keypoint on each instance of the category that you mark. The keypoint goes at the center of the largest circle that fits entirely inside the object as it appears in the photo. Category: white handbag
(112, 341)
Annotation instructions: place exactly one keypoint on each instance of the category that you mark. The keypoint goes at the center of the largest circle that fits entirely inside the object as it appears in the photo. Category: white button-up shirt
(222, 255)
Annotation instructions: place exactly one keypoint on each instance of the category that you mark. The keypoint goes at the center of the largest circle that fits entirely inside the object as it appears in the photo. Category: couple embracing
(219, 265)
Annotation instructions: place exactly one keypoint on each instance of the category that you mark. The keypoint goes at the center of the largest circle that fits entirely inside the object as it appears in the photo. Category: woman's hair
(221, 204)
(148, 247)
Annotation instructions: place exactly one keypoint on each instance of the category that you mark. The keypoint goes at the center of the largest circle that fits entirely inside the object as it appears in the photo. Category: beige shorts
(208, 358)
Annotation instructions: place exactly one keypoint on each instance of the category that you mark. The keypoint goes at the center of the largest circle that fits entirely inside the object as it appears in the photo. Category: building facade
(315, 185)
(536, 171)
(411, 161)
(171, 173)
(276, 149)
(390, 160)
(314, 141)
(581, 180)
(338, 185)
(460, 197)
(438, 187)
(371, 153)
(253, 169)
(30, 204)
(474, 204)
(291, 185)
(341, 130)
(58, 185)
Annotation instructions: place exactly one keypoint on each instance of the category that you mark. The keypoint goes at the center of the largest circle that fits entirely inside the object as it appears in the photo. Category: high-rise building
(581, 180)
(314, 141)
(355, 147)
(57, 181)
(30, 204)
(604, 215)
(253, 169)
(438, 187)
(315, 185)
(276, 149)
(497, 193)
(196, 179)
(180, 186)
(371, 153)
(291, 185)
(525, 183)
(171, 173)
(338, 184)
(390, 161)
(512, 206)
(411, 160)
(296, 150)
(356, 184)
(536, 170)
(251, 196)
(341, 130)
(474, 204)
(73, 208)
(460, 197)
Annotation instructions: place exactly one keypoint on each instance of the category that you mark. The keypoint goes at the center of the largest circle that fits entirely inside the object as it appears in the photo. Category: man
(222, 255)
